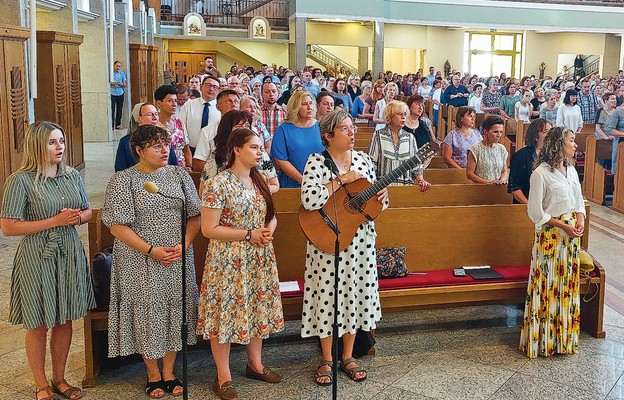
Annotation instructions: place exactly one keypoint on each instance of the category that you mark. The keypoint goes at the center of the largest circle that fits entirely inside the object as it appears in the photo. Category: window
(492, 53)
(83, 5)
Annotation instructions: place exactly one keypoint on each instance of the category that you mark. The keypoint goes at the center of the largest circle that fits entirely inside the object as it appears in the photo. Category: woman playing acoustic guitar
(359, 306)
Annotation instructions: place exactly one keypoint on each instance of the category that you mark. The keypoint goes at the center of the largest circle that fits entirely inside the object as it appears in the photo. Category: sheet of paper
(476, 267)
(290, 286)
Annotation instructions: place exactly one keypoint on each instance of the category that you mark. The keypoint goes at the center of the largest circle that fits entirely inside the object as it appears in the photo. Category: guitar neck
(408, 165)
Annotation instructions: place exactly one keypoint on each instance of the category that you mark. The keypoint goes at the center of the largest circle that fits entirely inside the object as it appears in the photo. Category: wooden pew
(410, 196)
(499, 234)
(437, 163)
(443, 238)
(618, 193)
(442, 124)
(429, 109)
(597, 181)
(520, 135)
(446, 176)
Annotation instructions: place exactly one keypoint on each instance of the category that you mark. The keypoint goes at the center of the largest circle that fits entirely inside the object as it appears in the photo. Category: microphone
(329, 163)
(151, 187)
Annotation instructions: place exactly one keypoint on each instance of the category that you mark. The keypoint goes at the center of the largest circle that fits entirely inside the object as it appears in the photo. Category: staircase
(591, 64)
(324, 57)
(245, 6)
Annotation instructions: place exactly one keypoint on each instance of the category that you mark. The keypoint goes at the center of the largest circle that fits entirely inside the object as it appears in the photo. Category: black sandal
(170, 386)
(151, 387)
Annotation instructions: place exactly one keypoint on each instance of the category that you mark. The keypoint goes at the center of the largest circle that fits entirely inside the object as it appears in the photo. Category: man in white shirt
(227, 100)
(196, 115)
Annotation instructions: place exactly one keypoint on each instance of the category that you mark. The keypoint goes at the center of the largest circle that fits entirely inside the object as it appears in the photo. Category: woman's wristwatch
(248, 236)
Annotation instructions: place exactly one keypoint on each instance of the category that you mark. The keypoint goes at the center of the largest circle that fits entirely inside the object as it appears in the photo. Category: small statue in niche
(447, 68)
(542, 68)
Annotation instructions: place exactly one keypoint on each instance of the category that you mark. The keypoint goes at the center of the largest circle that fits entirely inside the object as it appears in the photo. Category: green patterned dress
(51, 281)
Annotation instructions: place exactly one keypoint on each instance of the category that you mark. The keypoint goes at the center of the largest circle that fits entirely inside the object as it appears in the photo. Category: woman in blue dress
(295, 139)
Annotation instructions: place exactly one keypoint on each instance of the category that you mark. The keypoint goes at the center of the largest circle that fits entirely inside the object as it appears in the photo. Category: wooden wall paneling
(75, 105)
(13, 99)
(60, 94)
(138, 72)
(152, 71)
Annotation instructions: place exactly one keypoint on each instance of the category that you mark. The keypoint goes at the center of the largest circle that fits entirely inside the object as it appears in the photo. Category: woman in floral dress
(239, 297)
(552, 312)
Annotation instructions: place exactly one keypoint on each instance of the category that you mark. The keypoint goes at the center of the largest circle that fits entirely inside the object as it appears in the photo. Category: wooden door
(186, 63)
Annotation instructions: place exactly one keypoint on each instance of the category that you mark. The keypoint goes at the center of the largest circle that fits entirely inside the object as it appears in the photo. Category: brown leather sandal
(49, 392)
(353, 370)
(324, 374)
(67, 393)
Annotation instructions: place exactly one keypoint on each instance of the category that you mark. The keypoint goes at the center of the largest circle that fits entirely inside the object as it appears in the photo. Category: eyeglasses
(151, 114)
(346, 129)
(160, 146)
(209, 86)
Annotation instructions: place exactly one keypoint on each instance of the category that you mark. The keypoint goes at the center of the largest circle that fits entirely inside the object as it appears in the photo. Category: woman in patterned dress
(239, 297)
(487, 159)
(145, 312)
(359, 307)
(50, 284)
(551, 322)
(167, 101)
(458, 141)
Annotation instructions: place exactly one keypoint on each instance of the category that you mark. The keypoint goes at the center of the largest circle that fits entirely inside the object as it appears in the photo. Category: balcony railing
(613, 3)
(226, 13)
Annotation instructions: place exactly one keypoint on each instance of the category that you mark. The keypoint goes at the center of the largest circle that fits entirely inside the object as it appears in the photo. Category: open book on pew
(482, 272)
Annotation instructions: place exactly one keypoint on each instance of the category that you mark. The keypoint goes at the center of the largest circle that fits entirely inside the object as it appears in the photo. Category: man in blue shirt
(306, 82)
(456, 95)
(431, 76)
(118, 84)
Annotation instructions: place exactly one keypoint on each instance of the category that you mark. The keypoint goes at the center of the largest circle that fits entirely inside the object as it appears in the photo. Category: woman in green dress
(44, 201)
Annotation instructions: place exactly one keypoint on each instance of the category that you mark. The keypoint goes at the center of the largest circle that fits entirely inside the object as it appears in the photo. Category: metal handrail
(325, 57)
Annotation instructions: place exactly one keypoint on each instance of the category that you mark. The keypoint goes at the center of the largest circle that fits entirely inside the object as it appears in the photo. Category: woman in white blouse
(569, 114)
(551, 322)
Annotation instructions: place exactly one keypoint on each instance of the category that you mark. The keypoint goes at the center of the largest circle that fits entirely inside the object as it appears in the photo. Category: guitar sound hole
(351, 205)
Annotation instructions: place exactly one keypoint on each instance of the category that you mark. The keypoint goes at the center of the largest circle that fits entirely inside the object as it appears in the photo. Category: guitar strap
(327, 156)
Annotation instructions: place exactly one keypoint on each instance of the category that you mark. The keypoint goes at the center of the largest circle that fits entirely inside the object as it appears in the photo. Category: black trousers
(117, 109)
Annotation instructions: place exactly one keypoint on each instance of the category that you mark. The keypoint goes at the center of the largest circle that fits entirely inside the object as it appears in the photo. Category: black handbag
(101, 276)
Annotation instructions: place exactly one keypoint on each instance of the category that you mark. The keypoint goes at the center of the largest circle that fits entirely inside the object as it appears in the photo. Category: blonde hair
(294, 105)
(256, 115)
(36, 156)
(393, 108)
(388, 86)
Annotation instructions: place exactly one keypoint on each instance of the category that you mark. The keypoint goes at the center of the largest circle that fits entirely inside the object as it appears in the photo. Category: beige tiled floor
(462, 353)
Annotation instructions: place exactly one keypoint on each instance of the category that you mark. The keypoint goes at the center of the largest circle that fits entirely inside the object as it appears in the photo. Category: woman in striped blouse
(44, 201)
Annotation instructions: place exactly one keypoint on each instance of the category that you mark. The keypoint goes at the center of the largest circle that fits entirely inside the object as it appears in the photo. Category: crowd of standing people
(251, 133)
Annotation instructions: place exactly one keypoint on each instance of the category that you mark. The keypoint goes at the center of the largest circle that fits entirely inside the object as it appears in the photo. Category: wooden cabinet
(59, 97)
(152, 71)
(13, 99)
(138, 73)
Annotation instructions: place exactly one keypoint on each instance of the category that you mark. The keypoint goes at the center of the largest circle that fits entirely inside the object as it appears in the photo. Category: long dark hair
(228, 121)
(239, 138)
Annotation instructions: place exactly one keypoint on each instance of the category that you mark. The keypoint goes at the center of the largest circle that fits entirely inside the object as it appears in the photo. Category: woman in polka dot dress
(358, 294)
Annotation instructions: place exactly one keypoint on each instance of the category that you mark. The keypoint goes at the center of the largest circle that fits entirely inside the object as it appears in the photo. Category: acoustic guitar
(356, 203)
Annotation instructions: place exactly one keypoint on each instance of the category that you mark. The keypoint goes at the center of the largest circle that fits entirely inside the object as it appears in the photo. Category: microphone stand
(330, 163)
(184, 327)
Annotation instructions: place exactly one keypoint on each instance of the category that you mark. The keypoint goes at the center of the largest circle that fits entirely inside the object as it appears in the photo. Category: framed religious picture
(194, 25)
(259, 28)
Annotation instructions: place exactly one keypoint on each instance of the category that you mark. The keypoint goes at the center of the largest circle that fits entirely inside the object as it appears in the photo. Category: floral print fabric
(239, 296)
(552, 322)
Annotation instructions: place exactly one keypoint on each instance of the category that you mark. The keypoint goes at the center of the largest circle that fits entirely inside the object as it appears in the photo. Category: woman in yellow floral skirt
(239, 299)
(552, 312)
